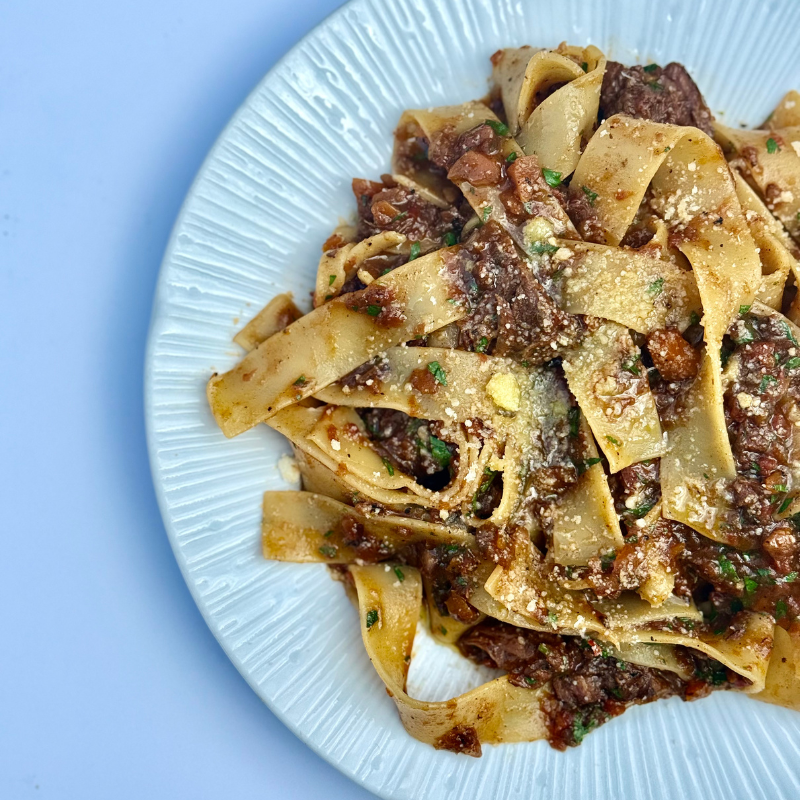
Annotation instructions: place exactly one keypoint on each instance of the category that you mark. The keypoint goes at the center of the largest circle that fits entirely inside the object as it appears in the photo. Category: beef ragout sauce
(513, 312)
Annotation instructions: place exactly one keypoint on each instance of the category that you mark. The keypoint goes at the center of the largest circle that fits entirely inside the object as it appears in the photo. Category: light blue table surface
(111, 686)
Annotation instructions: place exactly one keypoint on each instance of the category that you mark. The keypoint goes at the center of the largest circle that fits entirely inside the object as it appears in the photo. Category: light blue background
(111, 686)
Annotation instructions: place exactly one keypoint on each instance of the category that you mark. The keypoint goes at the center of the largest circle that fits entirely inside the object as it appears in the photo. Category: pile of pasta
(717, 249)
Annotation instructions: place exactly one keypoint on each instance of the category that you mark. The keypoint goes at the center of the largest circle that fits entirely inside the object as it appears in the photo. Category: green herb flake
(772, 146)
(328, 534)
(574, 417)
(439, 451)
(543, 247)
(552, 618)
(613, 440)
(328, 550)
(784, 505)
(373, 311)
(552, 177)
(591, 196)
(372, 617)
(450, 239)
(435, 368)
(483, 343)
(500, 128)
(656, 287)
(398, 217)
(331, 280)
(765, 381)
(788, 331)
(443, 630)
(727, 569)
(780, 609)
(300, 381)
(585, 66)
(511, 157)
(414, 251)
(401, 576)
(543, 649)
(606, 560)
(750, 585)
(793, 363)
(616, 692)
(530, 681)
(389, 467)
(790, 578)
(640, 511)
(694, 318)
(581, 728)
(485, 214)
(651, 68)
(629, 364)
(744, 310)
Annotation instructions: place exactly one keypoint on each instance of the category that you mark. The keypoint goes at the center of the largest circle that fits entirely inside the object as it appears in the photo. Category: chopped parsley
(373, 311)
(792, 576)
(543, 247)
(435, 368)
(750, 585)
(651, 68)
(389, 467)
(694, 318)
(788, 332)
(629, 364)
(574, 417)
(606, 560)
(543, 649)
(511, 157)
(640, 511)
(401, 576)
(500, 128)
(780, 609)
(439, 451)
(552, 618)
(450, 239)
(582, 466)
(552, 177)
(398, 217)
(328, 550)
(483, 343)
(765, 381)
(414, 251)
(744, 309)
(443, 630)
(530, 681)
(793, 363)
(656, 287)
(487, 210)
(372, 617)
(784, 505)
(772, 146)
(300, 381)
(328, 534)
(613, 440)
(581, 728)
(591, 196)
(727, 569)
(331, 279)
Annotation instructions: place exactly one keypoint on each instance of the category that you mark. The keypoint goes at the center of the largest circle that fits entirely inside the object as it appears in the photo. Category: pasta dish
(546, 400)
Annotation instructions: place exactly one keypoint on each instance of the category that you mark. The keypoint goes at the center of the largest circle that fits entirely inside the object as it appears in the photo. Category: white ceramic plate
(268, 195)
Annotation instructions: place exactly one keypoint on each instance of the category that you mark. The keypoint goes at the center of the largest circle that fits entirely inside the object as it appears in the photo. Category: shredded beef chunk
(411, 446)
(370, 374)
(661, 95)
(388, 206)
(577, 202)
(447, 569)
(638, 489)
(512, 314)
(460, 739)
(589, 684)
(757, 410)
